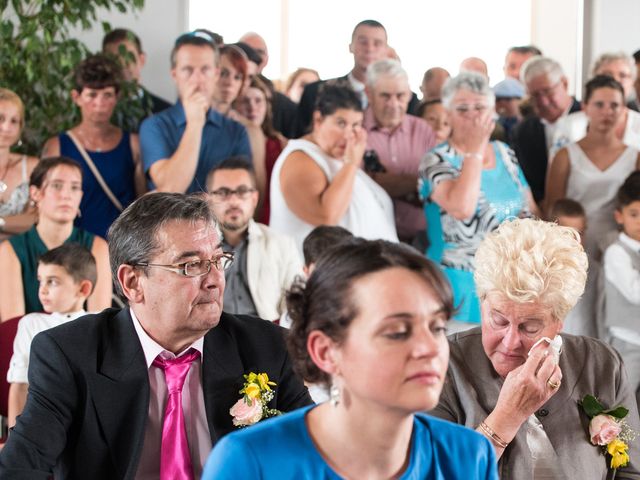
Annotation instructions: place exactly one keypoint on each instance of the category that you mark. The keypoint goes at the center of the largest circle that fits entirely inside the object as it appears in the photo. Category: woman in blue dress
(114, 153)
(469, 186)
(371, 323)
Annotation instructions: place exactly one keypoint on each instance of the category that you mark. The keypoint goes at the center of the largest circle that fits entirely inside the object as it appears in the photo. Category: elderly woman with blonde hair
(520, 383)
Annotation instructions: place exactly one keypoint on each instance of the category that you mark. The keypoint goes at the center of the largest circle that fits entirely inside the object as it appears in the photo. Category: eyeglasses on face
(226, 193)
(195, 268)
(464, 108)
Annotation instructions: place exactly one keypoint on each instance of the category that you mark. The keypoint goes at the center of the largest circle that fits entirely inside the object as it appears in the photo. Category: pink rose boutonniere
(609, 430)
(252, 407)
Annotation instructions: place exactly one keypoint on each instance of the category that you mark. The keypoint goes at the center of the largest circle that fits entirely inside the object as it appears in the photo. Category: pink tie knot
(176, 369)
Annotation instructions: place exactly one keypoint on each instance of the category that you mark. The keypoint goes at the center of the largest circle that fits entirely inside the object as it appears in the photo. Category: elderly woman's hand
(356, 145)
(525, 389)
(472, 134)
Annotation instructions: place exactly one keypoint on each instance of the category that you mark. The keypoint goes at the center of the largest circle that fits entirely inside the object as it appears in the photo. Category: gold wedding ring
(553, 384)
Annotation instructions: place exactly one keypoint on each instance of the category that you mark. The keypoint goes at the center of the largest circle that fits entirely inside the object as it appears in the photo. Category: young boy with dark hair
(622, 281)
(67, 276)
(318, 241)
(569, 213)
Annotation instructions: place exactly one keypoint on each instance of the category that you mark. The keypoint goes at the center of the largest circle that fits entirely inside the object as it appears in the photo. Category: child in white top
(622, 280)
(67, 276)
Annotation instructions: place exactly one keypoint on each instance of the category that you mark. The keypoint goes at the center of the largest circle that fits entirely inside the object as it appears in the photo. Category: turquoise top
(281, 448)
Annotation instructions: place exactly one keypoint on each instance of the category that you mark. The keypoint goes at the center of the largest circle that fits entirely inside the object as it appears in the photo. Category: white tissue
(555, 344)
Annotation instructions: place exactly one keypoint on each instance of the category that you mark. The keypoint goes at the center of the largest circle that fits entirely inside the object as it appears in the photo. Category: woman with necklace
(16, 215)
(469, 186)
(55, 186)
(110, 157)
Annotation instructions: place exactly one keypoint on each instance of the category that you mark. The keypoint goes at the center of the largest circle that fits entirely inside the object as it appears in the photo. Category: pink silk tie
(175, 460)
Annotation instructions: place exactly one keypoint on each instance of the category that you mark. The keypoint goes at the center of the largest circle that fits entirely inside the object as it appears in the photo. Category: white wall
(158, 24)
(613, 27)
(557, 29)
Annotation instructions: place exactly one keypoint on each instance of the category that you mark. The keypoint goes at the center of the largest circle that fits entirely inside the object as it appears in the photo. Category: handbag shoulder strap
(94, 170)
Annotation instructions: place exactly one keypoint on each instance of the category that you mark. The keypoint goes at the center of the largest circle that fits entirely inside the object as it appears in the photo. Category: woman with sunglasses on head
(469, 185)
(370, 322)
(55, 187)
(255, 105)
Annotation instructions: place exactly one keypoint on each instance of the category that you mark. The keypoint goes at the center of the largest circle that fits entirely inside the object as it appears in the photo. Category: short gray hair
(133, 237)
(471, 81)
(609, 57)
(537, 66)
(386, 67)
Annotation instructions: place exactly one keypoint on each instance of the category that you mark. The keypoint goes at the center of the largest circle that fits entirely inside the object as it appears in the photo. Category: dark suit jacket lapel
(222, 379)
(121, 393)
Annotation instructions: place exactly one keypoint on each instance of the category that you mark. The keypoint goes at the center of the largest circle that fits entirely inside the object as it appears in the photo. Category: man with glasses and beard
(265, 262)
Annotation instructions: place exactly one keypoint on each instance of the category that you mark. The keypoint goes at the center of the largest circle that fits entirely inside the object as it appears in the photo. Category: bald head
(256, 42)
(432, 83)
(474, 64)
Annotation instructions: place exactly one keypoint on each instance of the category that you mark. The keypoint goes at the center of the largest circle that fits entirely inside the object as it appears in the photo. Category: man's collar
(152, 349)
(630, 242)
(214, 117)
(370, 124)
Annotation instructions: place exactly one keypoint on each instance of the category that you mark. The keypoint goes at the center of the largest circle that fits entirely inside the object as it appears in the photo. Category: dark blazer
(529, 143)
(308, 103)
(89, 393)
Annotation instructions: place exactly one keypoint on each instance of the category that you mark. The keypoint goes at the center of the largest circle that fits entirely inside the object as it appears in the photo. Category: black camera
(372, 162)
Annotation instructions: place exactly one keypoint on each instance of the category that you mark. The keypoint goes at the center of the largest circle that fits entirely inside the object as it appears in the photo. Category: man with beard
(265, 262)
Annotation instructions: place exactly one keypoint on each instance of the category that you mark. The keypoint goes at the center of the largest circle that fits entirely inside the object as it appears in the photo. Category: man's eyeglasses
(195, 268)
(226, 193)
(464, 108)
(545, 92)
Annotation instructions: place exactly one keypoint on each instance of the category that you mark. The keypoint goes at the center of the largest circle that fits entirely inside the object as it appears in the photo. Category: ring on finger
(553, 384)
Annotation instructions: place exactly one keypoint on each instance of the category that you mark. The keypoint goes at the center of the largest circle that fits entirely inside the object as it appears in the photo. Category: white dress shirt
(619, 271)
(28, 327)
(195, 417)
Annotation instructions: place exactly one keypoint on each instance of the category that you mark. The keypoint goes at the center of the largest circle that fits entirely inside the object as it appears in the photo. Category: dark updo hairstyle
(336, 95)
(602, 81)
(325, 302)
(97, 71)
(44, 166)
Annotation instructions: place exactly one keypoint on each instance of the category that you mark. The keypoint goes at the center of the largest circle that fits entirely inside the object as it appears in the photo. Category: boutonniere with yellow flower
(609, 430)
(252, 407)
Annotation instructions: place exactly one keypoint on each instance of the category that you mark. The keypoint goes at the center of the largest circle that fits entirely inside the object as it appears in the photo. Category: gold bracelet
(493, 435)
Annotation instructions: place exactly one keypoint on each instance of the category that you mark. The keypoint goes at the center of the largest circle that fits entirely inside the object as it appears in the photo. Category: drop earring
(334, 395)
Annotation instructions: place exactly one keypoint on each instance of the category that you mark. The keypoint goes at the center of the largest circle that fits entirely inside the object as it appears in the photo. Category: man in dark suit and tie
(98, 386)
(368, 45)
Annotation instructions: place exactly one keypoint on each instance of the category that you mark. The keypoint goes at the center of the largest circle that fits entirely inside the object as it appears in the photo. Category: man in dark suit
(368, 45)
(146, 102)
(547, 86)
(96, 403)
